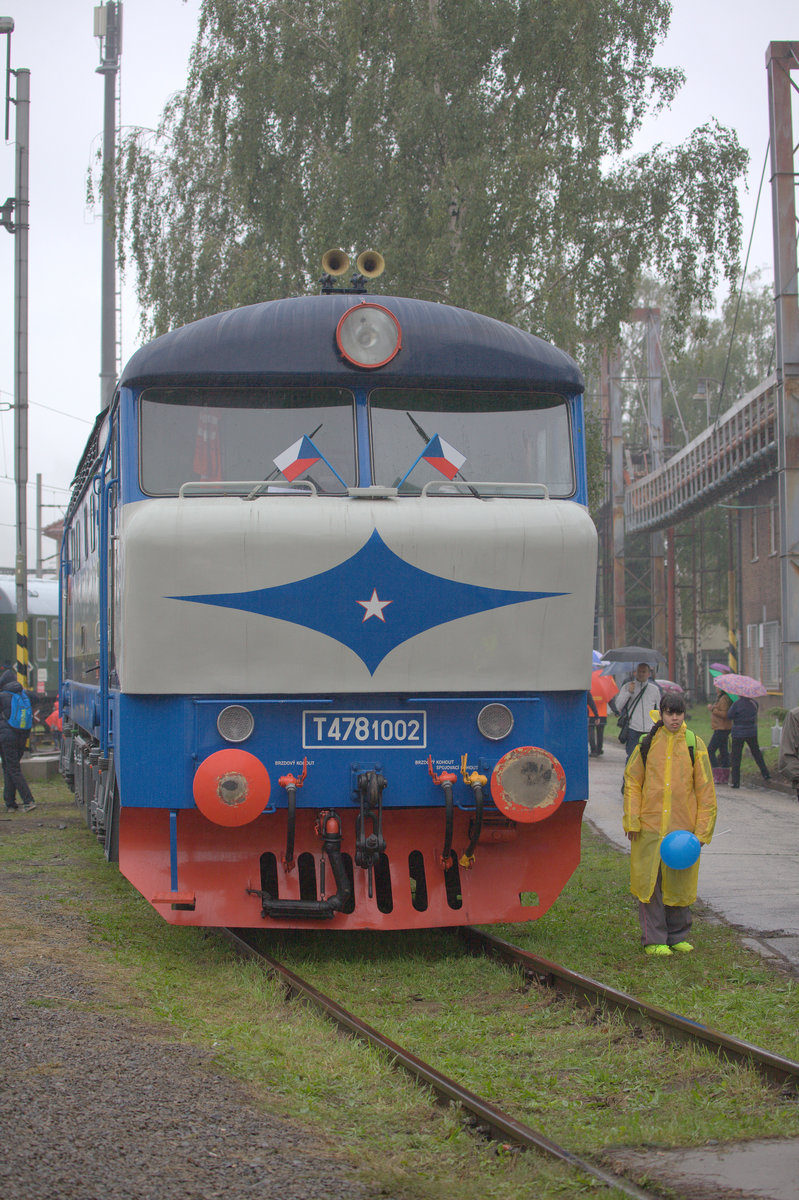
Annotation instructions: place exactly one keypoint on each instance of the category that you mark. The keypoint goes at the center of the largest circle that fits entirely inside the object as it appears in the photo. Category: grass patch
(580, 1078)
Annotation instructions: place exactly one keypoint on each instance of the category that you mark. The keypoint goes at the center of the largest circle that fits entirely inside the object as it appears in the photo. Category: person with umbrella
(743, 715)
(718, 748)
(637, 698)
(668, 788)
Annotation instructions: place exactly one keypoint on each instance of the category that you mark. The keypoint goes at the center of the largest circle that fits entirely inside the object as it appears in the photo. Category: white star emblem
(374, 607)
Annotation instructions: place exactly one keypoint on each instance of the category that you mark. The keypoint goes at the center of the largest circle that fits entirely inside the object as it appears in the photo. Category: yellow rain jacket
(661, 795)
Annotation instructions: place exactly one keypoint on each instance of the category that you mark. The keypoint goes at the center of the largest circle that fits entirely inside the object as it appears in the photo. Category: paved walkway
(750, 871)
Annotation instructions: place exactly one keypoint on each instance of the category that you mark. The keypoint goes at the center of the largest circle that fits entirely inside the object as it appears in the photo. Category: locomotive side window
(497, 436)
(226, 434)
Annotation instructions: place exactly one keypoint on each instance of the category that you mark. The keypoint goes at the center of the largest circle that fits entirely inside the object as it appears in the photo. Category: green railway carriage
(43, 639)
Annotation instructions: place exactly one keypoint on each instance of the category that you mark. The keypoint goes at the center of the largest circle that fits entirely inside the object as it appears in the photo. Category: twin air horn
(335, 263)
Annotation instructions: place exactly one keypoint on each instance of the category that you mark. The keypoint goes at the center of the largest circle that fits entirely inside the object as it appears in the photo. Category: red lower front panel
(518, 871)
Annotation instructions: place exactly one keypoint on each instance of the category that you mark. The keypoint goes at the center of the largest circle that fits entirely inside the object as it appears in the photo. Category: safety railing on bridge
(738, 450)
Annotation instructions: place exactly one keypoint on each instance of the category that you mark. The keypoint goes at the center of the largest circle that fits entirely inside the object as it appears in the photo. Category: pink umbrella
(721, 667)
(667, 685)
(740, 685)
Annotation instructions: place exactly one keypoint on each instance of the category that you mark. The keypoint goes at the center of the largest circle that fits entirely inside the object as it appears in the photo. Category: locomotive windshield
(497, 436)
(226, 434)
(418, 435)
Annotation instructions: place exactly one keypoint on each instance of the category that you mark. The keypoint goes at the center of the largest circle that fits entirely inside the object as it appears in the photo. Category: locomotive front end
(350, 595)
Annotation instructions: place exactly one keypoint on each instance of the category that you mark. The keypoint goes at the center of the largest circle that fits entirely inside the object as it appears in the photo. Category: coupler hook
(291, 783)
(476, 782)
(328, 827)
(445, 781)
(369, 847)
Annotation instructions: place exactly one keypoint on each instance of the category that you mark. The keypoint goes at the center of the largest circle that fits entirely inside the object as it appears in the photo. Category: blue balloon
(680, 849)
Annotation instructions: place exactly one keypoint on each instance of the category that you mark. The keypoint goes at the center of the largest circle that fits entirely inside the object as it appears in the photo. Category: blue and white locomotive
(327, 599)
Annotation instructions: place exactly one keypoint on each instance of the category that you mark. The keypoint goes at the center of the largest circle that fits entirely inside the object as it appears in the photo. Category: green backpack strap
(690, 741)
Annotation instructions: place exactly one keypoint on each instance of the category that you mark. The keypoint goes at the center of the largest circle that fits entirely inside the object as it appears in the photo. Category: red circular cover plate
(231, 787)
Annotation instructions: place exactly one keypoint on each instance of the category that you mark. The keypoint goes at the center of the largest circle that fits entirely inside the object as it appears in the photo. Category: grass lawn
(578, 1076)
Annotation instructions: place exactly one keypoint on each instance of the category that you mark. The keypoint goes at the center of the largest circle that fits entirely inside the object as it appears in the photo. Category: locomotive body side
(352, 667)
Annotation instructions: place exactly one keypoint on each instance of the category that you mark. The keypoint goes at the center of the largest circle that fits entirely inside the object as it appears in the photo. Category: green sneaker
(658, 949)
(683, 947)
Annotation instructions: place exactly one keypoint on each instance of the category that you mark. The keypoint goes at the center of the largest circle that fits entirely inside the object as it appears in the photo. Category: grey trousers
(663, 924)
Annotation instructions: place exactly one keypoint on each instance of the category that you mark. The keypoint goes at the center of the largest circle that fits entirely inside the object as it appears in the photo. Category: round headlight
(235, 723)
(368, 335)
(495, 721)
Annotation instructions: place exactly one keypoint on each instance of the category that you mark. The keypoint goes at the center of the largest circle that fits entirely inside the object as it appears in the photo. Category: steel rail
(587, 991)
(501, 1126)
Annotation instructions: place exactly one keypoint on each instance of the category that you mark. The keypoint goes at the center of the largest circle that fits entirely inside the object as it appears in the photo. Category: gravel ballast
(95, 1104)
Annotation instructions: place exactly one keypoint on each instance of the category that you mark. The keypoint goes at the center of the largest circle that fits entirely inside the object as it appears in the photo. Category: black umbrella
(634, 654)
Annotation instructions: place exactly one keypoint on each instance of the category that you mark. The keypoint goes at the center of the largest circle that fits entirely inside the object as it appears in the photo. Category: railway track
(487, 1117)
(589, 993)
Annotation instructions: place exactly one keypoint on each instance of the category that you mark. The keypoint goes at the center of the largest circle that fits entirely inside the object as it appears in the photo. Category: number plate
(326, 730)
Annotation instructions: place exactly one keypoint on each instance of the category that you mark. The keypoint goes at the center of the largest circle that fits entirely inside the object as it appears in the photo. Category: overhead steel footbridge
(735, 452)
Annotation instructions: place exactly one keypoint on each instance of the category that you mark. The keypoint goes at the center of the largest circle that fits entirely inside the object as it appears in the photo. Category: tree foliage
(483, 148)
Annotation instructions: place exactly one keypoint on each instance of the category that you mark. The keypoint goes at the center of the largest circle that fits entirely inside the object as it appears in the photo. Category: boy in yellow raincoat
(668, 785)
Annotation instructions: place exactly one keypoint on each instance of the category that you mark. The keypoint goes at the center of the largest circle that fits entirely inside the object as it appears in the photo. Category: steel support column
(781, 59)
(617, 500)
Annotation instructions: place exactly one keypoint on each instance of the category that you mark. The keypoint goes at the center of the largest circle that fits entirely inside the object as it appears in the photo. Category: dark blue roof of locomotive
(282, 340)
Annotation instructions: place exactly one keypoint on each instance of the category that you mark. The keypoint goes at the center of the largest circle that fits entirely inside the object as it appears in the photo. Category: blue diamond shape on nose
(330, 602)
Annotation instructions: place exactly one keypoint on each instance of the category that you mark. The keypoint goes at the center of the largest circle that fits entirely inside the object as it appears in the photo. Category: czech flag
(443, 457)
(298, 458)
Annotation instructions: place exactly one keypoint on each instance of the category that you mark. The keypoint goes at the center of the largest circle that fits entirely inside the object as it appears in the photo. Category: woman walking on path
(718, 748)
(668, 785)
(743, 714)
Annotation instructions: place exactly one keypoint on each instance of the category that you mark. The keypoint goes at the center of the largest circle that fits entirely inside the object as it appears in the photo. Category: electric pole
(14, 218)
(108, 29)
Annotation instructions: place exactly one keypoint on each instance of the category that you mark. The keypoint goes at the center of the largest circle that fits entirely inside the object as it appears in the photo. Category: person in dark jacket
(12, 747)
(789, 748)
(743, 714)
(718, 748)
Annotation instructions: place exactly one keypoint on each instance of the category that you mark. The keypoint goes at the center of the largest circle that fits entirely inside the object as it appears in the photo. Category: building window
(772, 656)
(764, 653)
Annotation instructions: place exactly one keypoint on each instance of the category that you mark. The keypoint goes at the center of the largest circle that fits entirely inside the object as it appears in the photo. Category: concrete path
(750, 871)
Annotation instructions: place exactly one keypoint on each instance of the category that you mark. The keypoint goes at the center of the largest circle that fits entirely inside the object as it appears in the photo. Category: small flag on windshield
(443, 457)
(301, 455)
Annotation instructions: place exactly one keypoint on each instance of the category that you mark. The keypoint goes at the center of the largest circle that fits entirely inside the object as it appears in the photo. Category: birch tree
(483, 148)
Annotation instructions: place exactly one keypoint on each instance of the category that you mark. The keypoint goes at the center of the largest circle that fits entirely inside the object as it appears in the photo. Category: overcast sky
(721, 45)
